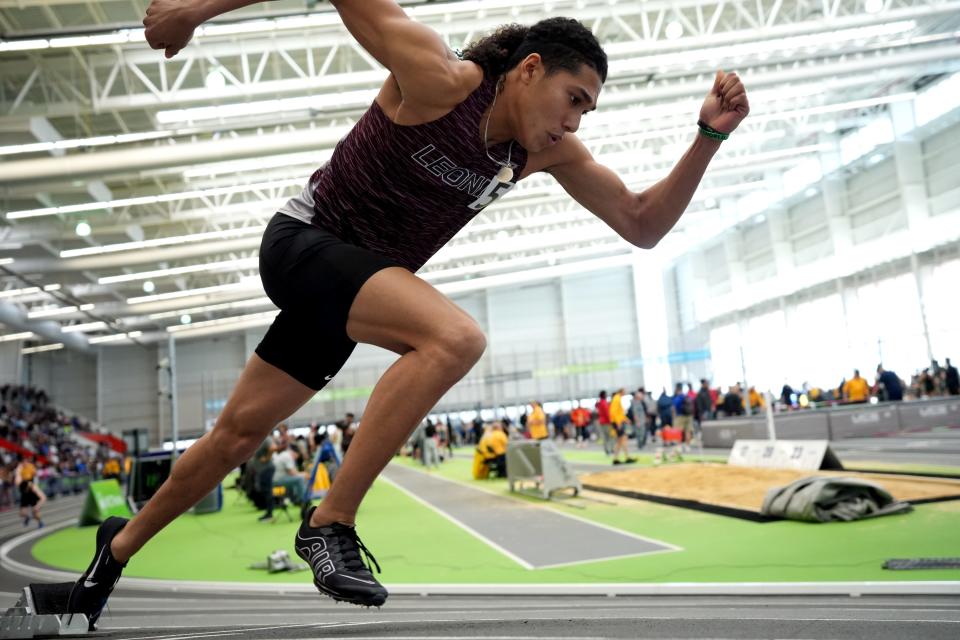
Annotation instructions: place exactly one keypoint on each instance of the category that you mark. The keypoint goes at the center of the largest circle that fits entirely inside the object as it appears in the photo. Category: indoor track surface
(169, 614)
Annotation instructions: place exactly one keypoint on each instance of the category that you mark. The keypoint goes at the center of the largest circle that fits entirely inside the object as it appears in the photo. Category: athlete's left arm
(643, 219)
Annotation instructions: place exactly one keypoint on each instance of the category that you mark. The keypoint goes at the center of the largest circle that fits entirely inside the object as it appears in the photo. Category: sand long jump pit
(739, 491)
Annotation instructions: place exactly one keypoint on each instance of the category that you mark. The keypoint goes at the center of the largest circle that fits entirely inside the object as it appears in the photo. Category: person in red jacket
(603, 419)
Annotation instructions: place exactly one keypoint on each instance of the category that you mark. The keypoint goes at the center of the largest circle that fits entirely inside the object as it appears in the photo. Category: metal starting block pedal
(41, 611)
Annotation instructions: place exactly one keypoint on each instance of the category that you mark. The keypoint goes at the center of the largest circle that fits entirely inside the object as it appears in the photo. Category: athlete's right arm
(424, 67)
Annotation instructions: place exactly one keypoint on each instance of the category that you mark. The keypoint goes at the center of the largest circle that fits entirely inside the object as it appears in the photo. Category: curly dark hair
(563, 43)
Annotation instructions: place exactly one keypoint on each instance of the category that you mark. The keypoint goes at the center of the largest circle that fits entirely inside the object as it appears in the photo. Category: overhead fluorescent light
(186, 293)
(238, 304)
(47, 313)
(99, 141)
(316, 102)
(535, 275)
(47, 347)
(83, 326)
(222, 325)
(164, 242)
(11, 337)
(115, 338)
(242, 263)
(155, 199)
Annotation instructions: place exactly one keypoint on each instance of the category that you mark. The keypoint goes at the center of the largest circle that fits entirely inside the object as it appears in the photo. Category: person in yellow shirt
(31, 496)
(493, 449)
(618, 428)
(856, 389)
(537, 422)
(757, 402)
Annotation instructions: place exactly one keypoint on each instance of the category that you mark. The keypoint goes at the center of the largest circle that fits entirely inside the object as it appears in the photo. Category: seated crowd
(33, 431)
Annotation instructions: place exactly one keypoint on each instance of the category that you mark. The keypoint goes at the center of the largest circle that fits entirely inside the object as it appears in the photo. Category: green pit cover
(104, 499)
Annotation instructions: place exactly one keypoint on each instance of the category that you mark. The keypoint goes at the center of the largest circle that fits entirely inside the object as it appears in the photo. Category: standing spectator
(683, 410)
(537, 422)
(477, 430)
(665, 408)
(603, 420)
(430, 455)
(560, 421)
(348, 429)
(580, 418)
(650, 414)
(889, 382)
(952, 379)
(856, 390)
(335, 437)
(618, 429)
(733, 402)
(704, 401)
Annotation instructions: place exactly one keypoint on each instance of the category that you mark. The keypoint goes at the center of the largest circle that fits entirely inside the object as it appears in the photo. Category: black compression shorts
(28, 497)
(313, 277)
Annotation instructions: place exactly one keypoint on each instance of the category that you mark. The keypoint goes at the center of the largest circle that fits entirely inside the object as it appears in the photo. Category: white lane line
(476, 534)
(222, 632)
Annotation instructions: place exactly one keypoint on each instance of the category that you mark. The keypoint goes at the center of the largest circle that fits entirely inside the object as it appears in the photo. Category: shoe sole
(339, 597)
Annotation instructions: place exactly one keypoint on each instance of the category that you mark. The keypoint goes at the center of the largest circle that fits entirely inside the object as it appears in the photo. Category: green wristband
(710, 132)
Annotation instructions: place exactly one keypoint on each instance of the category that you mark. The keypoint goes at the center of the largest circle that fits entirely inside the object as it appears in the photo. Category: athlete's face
(553, 104)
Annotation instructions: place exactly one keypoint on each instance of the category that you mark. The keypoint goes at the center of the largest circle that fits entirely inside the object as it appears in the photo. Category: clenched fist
(170, 24)
(726, 105)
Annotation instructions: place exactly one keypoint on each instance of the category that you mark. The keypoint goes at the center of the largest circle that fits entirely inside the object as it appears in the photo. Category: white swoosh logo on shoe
(357, 579)
(88, 582)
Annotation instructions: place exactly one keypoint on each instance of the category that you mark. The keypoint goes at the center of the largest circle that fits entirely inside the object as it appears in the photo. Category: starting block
(41, 611)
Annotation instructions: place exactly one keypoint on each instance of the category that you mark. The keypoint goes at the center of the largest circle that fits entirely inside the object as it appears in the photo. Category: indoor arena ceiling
(176, 165)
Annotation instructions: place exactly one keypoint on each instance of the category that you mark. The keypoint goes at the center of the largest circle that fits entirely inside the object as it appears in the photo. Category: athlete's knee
(239, 432)
(458, 347)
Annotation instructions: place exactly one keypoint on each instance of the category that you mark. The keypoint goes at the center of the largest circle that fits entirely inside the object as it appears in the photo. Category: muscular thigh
(397, 310)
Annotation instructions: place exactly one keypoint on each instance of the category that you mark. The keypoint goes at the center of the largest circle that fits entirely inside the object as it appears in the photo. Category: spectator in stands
(603, 420)
(952, 379)
(31, 497)
(757, 403)
(857, 389)
(537, 422)
(889, 385)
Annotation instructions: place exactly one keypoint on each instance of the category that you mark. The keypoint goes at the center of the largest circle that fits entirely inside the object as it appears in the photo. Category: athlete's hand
(170, 24)
(726, 105)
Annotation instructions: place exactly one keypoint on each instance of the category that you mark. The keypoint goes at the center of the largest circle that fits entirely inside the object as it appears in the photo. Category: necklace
(506, 172)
